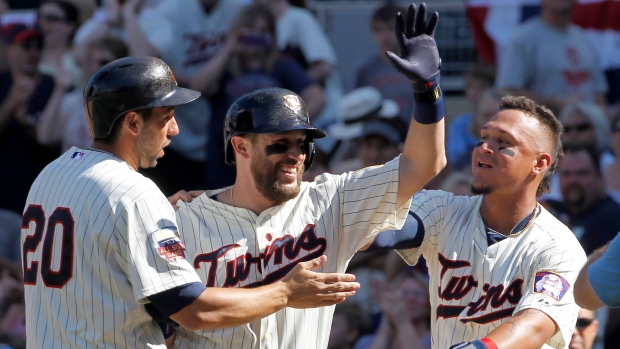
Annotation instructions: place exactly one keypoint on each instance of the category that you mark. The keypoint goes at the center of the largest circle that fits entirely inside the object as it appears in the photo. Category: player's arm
(527, 329)
(598, 281)
(409, 236)
(196, 307)
(424, 155)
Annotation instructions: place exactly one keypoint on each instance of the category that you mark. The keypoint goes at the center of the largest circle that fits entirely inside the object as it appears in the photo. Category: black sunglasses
(579, 127)
(583, 322)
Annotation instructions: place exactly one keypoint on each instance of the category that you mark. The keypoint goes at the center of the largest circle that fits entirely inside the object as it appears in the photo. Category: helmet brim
(177, 97)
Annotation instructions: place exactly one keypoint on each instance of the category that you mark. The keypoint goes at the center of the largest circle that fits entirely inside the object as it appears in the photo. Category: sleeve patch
(550, 284)
(168, 244)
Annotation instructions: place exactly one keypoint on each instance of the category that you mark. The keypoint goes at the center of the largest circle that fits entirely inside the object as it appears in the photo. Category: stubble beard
(147, 158)
(267, 183)
(481, 190)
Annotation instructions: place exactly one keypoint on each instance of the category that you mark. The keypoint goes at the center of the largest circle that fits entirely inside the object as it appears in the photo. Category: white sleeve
(369, 198)
(152, 253)
(549, 287)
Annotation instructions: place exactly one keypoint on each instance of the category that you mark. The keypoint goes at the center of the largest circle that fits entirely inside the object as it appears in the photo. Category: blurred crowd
(226, 48)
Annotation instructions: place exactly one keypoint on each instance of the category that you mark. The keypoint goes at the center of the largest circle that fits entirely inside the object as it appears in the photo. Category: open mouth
(482, 164)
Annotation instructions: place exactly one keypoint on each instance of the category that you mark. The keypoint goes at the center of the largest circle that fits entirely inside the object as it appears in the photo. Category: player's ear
(241, 147)
(541, 163)
(134, 122)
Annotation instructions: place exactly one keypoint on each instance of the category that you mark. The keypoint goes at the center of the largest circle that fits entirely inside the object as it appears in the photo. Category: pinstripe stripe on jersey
(335, 213)
(454, 229)
(100, 305)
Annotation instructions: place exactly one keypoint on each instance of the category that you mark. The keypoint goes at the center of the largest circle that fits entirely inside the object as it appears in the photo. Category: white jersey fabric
(98, 239)
(476, 287)
(233, 247)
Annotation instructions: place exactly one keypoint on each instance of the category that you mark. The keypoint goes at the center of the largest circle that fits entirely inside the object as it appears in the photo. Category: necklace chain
(232, 195)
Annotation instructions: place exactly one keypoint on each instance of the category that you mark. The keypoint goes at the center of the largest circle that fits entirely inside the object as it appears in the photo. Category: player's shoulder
(550, 231)
(441, 198)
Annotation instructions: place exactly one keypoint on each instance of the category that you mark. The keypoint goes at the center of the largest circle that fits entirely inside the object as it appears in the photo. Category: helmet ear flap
(309, 149)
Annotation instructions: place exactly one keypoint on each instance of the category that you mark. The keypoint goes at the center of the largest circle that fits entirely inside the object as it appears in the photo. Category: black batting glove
(419, 58)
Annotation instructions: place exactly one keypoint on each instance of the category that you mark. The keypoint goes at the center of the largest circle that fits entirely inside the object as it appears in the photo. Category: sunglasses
(583, 322)
(51, 18)
(578, 127)
(29, 45)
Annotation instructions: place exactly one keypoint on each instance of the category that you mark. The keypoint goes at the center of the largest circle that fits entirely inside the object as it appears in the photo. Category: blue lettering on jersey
(459, 286)
(238, 269)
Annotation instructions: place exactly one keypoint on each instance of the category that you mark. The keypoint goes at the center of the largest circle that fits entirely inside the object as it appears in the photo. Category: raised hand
(419, 58)
(309, 289)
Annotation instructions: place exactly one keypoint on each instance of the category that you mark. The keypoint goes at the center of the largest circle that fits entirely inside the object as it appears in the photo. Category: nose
(173, 127)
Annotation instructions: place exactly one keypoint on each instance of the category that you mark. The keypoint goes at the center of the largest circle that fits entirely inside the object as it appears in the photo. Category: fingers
(420, 24)
(410, 21)
(314, 263)
(340, 287)
(399, 30)
(330, 278)
(196, 193)
(432, 24)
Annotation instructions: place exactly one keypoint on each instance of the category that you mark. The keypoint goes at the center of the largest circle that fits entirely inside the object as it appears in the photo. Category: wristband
(428, 107)
(489, 343)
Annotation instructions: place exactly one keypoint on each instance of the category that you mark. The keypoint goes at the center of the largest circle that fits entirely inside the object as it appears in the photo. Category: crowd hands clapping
(225, 49)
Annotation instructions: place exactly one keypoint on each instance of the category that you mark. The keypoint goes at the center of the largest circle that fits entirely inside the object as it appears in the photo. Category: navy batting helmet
(269, 110)
(128, 84)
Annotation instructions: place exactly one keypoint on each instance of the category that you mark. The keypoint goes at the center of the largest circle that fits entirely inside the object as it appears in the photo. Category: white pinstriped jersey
(98, 238)
(233, 247)
(476, 287)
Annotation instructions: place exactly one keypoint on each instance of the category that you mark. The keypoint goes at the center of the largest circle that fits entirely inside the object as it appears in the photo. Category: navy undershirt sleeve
(410, 236)
(169, 302)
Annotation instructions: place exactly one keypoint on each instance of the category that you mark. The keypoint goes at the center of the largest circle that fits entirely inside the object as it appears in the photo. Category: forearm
(229, 307)
(528, 329)
(50, 126)
(314, 98)
(407, 337)
(207, 78)
(319, 71)
(585, 296)
(138, 43)
(424, 156)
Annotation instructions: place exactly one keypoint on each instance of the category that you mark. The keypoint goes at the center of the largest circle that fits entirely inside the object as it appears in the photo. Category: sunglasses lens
(583, 322)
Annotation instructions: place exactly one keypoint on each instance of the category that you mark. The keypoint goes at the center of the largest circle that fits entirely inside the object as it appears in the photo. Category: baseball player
(101, 255)
(502, 268)
(253, 232)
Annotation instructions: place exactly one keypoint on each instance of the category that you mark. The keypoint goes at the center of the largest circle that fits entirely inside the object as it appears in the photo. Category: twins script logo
(288, 246)
(458, 287)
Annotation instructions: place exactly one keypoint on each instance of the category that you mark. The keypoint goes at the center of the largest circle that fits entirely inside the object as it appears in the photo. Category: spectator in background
(58, 21)
(12, 307)
(199, 30)
(406, 315)
(63, 120)
(376, 70)
(145, 31)
(10, 230)
(612, 171)
(457, 183)
(551, 61)
(249, 61)
(24, 92)
(586, 208)
(349, 323)
(585, 331)
(587, 124)
(464, 132)
(300, 37)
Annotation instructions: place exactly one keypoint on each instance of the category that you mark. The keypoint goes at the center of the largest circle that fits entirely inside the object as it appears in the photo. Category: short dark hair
(553, 131)
(386, 13)
(572, 148)
(114, 45)
(118, 124)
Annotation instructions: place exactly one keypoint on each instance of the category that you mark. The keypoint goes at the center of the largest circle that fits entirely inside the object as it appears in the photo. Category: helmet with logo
(269, 110)
(127, 84)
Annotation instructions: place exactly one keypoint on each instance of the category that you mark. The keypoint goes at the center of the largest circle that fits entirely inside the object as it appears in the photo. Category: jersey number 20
(51, 278)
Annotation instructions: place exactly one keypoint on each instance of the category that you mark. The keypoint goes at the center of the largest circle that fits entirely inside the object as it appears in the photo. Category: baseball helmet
(128, 84)
(269, 110)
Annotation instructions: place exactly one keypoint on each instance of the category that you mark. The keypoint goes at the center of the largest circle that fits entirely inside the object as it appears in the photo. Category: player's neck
(503, 214)
(117, 151)
(248, 197)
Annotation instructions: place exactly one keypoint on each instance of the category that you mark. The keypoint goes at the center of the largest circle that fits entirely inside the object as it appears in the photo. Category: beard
(481, 190)
(574, 196)
(147, 151)
(267, 183)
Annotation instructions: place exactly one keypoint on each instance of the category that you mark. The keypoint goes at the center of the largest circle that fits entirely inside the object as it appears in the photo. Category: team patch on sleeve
(550, 284)
(168, 244)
